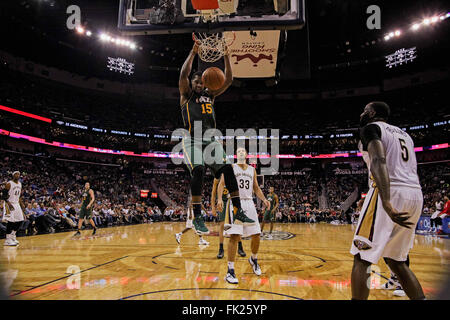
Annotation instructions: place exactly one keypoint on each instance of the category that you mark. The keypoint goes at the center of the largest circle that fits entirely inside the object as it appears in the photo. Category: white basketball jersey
(14, 191)
(245, 181)
(400, 156)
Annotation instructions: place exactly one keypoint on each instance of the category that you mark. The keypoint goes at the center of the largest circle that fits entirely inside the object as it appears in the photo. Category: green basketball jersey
(271, 199)
(86, 199)
(200, 107)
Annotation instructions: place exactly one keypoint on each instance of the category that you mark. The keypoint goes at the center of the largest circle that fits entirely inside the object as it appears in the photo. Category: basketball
(213, 78)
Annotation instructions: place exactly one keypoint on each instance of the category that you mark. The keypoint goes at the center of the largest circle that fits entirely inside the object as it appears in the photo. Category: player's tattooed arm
(220, 189)
(258, 192)
(228, 76)
(380, 173)
(183, 82)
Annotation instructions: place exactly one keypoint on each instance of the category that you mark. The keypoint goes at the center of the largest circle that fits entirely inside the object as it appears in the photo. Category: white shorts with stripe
(377, 235)
(244, 230)
(15, 213)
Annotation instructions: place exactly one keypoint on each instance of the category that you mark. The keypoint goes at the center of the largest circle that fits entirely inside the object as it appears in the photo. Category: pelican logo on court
(278, 235)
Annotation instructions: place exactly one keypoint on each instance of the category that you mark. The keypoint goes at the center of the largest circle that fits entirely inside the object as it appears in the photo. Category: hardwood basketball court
(145, 262)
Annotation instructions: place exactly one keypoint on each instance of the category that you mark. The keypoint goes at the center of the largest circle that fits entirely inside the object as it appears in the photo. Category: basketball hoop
(211, 47)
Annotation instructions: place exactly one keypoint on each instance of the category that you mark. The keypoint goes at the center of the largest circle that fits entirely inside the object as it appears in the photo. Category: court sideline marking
(70, 275)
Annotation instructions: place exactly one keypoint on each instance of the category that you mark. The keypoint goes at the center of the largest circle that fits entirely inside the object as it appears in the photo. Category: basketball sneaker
(269, 237)
(391, 284)
(399, 292)
(95, 230)
(242, 217)
(231, 277)
(255, 266)
(9, 241)
(178, 237)
(203, 242)
(77, 234)
(14, 239)
(241, 251)
(199, 226)
(220, 254)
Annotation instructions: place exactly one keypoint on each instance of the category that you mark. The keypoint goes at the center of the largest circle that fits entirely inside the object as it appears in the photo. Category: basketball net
(212, 47)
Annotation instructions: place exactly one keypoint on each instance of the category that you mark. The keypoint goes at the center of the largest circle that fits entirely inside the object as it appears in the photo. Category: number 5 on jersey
(405, 154)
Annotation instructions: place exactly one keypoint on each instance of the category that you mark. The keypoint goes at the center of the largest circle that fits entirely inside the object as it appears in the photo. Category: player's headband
(14, 173)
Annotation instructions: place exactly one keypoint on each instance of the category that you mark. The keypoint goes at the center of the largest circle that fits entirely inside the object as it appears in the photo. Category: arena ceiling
(337, 32)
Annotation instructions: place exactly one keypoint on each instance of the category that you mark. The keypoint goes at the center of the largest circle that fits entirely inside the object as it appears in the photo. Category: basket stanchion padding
(205, 4)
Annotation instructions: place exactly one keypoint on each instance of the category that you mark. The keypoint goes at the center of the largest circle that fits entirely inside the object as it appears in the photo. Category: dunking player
(86, 208)
(223, 205)
(382, 231)
(189, 226)
(248, 183)
(13, 208)
(197, 105)
(269, 215)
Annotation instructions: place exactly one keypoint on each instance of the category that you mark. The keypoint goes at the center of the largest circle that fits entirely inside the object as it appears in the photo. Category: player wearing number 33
(248, 184)
(392, 206)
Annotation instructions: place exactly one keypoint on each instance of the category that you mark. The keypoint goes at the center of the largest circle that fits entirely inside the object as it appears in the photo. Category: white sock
(254, 256)
(230, 265)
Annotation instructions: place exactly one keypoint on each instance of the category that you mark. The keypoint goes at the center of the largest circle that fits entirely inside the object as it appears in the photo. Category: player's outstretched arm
(258, 192)
(183, 82)
(380, 173)
(228, 76)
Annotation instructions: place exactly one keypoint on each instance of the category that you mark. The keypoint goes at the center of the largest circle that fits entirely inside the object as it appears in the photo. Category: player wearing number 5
(392, 206)
(197, 107)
